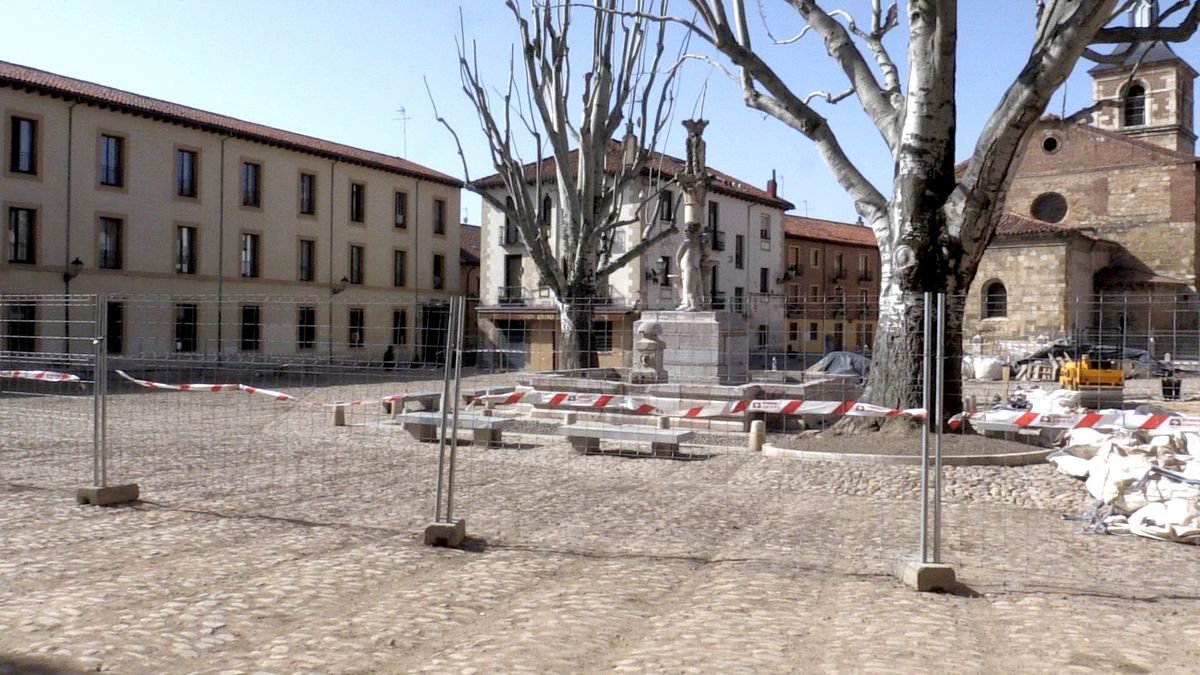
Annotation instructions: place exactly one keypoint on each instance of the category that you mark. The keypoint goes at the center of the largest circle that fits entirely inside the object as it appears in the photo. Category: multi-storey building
(832, 286)
(745, 246)
(109, 191)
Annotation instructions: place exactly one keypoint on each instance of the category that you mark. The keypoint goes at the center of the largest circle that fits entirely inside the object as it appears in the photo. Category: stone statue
(648, 354)
(690, 257)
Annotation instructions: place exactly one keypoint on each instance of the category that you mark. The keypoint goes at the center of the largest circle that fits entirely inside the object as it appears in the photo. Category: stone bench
(586, 437)
(429, 401)
(424, 426)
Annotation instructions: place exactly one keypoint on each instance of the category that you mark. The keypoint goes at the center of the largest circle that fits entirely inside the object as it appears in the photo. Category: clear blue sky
(341, 71)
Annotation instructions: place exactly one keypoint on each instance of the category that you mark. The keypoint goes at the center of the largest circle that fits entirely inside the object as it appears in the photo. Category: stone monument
(702, 344)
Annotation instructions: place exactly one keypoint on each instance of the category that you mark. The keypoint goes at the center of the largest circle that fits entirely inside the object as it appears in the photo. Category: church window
(995, 300)
(1051, 144)
(1049, 206)
(1135, 106)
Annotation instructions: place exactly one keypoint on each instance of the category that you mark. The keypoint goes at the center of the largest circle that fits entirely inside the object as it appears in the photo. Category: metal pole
(437, 507)
(938, 404)
(925, 404)
(97, 395)
(101, 382)
(454, 425)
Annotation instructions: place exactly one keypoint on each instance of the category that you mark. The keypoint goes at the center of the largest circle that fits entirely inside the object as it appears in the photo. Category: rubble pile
(1143, 484)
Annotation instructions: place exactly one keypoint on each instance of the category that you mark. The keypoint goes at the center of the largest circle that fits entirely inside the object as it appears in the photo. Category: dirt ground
(269, 540)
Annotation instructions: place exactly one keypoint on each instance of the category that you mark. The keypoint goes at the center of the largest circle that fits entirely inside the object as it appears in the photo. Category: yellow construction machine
(1100, 383)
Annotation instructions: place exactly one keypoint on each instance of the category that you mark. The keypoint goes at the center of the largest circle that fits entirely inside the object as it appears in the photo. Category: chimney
(629, 146)
(772, 186)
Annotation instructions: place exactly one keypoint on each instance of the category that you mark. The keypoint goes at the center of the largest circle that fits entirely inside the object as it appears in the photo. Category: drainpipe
(221, 250)
(67, 238)
(332, 284)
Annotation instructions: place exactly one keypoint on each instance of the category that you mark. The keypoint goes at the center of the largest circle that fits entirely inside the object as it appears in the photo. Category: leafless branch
(1158, 32)
(829, 98)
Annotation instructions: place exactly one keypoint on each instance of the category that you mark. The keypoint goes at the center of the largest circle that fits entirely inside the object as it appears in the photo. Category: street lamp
(72, 270)
(340, 286)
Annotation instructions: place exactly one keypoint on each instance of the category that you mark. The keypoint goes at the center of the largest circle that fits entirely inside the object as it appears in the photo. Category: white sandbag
(968, 367)
(988, 368)
(1084, 436)
(1070, 464)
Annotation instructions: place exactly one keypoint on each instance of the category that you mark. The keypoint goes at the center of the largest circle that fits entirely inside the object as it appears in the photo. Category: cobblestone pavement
(287, 545)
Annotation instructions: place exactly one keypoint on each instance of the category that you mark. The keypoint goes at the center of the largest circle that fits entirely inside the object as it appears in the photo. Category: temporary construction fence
(241, 418)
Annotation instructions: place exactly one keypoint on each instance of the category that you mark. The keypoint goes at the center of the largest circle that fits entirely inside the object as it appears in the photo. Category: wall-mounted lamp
(341, 286)
(652, 276)
(73, 270)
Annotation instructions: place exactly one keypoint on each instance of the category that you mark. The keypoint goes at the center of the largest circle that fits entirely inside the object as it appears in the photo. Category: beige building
(154, 199)
(832, 286)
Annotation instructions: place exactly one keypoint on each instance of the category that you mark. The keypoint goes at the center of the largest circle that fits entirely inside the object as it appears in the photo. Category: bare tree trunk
(576, 319)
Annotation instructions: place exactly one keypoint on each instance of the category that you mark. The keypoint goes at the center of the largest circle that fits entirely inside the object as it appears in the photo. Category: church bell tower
(1152, 88)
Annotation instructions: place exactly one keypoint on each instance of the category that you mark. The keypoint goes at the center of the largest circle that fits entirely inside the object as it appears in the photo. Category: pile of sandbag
(1144, 485)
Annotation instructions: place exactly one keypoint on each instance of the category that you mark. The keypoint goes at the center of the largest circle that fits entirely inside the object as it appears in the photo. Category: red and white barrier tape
(1105, 420)
(722, 409)
(277, 395)
(42, 375)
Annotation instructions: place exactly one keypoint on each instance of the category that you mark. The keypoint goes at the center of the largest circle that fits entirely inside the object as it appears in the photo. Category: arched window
(544, 216)
(995, 300)
(1135, 106)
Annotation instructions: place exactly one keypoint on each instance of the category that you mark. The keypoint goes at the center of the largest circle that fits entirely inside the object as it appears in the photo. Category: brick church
(1100, 238)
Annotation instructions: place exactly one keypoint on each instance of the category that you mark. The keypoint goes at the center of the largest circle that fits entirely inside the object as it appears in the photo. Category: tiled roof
(42, 82)
(1013, 225)
(850, 234)
(469, 244)
(1144, 54)
(662, 164)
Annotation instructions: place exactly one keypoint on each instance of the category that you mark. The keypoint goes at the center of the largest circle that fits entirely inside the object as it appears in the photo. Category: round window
(1050, 207)
(1051, 144)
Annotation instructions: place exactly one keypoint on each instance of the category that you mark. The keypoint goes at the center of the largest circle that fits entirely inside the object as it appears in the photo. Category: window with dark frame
(110, 243)
(714, 215)
(764, 231)
(399, 268)
(357, 326)
(251, 328)
(308, 194)
(308, 260)
(602, 336)
(793, 331)
(762, 336)
(23, 149)
(1135, 106)
(439, 216)
(251, 184)
(439, 279)
(995, 301)
(666, 206)
(112, 160)
(399, 326)
(358, 202)
(185, 173)
(185, 250)
(664, 271)
(356, 264)
(812, 330)
(20, 335)
(402, 209)
(250, 255)
(306, 327)
(186, 320)
(764, 280)
(22, 236)
(114, 338)
(739, 251)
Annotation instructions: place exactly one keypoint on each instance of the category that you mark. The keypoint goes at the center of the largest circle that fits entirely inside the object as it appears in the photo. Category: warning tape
(42, 375)
(276, 395)
(1107, 420)
(722, 409)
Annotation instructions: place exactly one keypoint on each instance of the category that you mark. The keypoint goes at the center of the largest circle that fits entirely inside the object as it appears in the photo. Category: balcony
(838, 273)
(511, 295)
(865, 275)
(510, 235)
(793, 270)
(718, 300)
(795, 308)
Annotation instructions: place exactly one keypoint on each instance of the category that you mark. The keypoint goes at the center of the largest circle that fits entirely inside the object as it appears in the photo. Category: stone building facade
(1100, 241)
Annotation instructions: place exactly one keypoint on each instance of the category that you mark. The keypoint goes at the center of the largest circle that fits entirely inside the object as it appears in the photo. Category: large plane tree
(932, 223)
(567, 112)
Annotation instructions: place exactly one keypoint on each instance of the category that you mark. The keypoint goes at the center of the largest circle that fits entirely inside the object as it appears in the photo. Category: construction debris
(1144, 484)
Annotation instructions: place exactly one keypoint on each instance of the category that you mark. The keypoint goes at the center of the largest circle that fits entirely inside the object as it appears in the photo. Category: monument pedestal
(710, 346)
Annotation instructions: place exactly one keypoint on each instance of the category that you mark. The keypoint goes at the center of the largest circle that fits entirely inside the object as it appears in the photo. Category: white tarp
(1143, 485)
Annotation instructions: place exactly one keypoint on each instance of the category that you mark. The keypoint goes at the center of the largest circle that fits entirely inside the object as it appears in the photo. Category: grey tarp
(842, 363)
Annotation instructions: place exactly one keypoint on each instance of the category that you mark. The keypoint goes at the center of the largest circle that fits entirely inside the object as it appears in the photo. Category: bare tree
(936, 223)
(602, 185)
